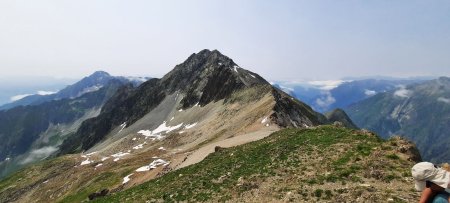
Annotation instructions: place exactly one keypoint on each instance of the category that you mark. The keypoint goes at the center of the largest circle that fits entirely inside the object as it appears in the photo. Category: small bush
(318, 193)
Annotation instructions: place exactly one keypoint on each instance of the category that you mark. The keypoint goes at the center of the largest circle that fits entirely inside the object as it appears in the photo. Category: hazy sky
(280, 40)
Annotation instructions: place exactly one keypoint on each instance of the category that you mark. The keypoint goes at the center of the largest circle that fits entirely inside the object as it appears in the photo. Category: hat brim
(420, 185)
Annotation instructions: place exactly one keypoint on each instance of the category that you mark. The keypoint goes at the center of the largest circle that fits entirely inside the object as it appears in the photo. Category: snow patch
(235, 68)
(252, 75)
(180, 110)
(156, 134)
(117, 156)
(133, 139)
(140, 146)
(98, 165)
(190, 126)
(104, 158)
(443, 99)
(122, 126)
(172, 118)
(90, 89)
(85, 162)
(92, 153)
(153, 165)
(264, 120)
(161, 148)
(7, 159)
(126, 178)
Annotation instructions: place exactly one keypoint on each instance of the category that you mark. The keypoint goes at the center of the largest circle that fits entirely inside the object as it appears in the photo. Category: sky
(280, 40)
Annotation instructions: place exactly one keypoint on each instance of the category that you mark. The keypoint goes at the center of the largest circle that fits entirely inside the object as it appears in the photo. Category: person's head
(426, 171)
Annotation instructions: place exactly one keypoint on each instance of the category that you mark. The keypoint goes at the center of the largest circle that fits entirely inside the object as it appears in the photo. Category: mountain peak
(207, 66)
(98, 74)
(207, 57)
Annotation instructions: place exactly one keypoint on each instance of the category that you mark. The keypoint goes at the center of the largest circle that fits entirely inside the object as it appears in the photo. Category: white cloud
(370, 92)
(443, 99)
(318, 84)
(326, 84)
(45, 92)
(19, 97)
(326, 101)
(40, 92)
(39, 154)
(403, 92)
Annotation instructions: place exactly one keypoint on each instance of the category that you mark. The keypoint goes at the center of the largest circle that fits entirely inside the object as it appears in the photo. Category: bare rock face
(408, 148)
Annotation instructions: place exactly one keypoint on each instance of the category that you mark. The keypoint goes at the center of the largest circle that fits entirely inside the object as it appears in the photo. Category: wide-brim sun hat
(426, 171)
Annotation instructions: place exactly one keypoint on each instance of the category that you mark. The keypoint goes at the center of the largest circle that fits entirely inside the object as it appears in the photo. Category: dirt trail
(201, 153)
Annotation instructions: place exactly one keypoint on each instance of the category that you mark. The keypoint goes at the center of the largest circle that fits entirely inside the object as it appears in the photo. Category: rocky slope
(324, 164)
(318, 164)
(419, 112)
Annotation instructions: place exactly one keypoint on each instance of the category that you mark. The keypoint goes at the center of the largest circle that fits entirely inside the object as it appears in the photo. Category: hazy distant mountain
(88, 84)
(14, 88)
(345, 93)
(31, 133)
(420, 112)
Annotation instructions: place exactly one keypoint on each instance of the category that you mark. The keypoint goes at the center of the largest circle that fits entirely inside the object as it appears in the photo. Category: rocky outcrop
(338, 115)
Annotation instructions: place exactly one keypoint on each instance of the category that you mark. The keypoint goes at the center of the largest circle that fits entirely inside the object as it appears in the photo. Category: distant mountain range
(32, 128)
(14, 88)
(88, 84)
(420, 112)
(324, 96)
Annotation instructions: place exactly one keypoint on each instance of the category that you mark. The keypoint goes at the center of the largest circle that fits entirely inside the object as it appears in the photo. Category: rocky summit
(210, 130)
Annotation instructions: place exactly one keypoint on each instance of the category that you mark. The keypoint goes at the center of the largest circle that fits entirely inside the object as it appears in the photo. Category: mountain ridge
(205, 77)
(418, 112)
(90, 83)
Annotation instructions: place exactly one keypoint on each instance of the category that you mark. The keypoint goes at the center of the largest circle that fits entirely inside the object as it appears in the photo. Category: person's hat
(426, 171)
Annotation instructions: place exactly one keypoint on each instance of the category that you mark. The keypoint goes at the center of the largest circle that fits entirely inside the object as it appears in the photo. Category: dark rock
(218, 149)
(95, 195)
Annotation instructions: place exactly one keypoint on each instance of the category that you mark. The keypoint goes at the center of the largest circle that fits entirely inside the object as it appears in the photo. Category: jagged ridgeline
(204, 78)
(158, 135)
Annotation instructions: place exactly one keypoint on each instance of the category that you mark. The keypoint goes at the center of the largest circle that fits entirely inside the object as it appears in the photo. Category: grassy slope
(321, 164)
